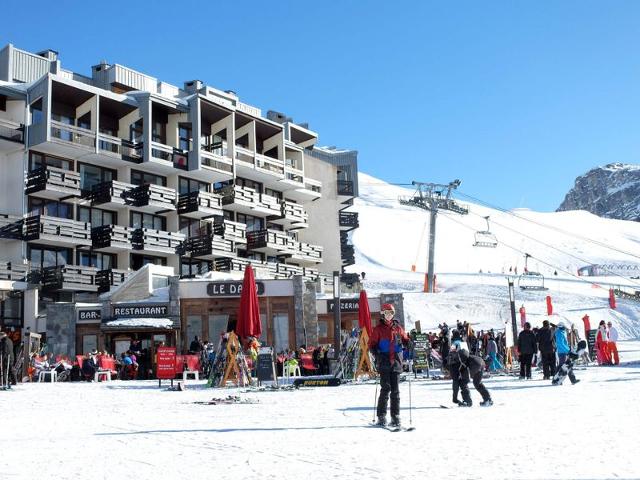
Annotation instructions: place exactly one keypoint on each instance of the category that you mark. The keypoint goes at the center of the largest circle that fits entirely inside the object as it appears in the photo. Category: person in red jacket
(386, 343)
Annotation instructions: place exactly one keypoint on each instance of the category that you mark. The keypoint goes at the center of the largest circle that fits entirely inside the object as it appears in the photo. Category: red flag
(612, 299)
(364, 315)
(587, 325)
(549, 306)
(248, 323)
(523, 316)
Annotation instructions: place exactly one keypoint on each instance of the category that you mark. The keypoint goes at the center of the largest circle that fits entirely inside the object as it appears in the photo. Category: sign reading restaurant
(120, 311)
(230, 289)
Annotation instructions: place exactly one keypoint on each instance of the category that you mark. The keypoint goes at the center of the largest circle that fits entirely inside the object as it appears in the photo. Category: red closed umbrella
(248, 323)
(523, 316)
(364, 315)
(549, 306)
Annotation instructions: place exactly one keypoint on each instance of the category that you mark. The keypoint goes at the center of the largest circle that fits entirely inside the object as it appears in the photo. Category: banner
(166, 367)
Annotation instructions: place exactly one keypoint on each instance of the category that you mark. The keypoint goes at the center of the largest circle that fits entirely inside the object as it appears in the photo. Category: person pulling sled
(566, 369)
(463, 367)
(386, 343)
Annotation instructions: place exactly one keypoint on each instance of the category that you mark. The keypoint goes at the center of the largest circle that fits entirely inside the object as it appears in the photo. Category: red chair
(193, 363)
(179, 364)
(306, 362)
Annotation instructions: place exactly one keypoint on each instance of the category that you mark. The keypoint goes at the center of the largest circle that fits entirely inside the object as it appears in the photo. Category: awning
(138, 324)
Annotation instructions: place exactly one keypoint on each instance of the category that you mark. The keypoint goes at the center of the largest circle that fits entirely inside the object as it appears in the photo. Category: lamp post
(512, 300)
(336, 315)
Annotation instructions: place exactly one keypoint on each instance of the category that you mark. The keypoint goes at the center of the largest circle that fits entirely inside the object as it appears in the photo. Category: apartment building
(104, 174)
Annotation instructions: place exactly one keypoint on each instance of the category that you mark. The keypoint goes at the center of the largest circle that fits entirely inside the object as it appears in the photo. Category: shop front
(208, 309)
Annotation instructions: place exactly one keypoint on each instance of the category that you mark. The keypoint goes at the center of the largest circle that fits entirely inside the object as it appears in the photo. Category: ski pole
(375, 397)
(410, 406)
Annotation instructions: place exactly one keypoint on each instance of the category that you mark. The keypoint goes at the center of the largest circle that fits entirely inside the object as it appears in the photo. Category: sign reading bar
(346, 305)
(140, 311)
(230, 289)
(166, 368)
(89, 315)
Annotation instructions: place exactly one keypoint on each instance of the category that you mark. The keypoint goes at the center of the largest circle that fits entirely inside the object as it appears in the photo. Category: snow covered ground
(135, 430)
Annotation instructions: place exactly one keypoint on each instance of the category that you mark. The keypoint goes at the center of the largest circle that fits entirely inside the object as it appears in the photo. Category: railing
(11, 226)
(261, 268)
(111, 236)
(348, 219)
(294, 175)
(40, 227)
(178, 158)
(244, 155)
(269, 203)
(12, 271)
(105, 279)
(234, 193)
(156, 240)
(209, 245)
(68, 277)
(309, 252)
(11, 131)
(46, 178)
(271, 239)
(313, 185)
(149, 194)
(218, 149)
(124, 149)
(73, 134)
(195, 201)
(271, 165)
(345, 188)
(215, 161)
(294, 212)
(106, 192)
(235, 231)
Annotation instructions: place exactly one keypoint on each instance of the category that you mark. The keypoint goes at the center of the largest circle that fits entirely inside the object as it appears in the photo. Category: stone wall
(61, 329)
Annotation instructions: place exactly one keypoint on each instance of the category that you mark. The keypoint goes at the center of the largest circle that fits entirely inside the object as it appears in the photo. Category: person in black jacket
(527, 347)
(547, 348)
(464, 367)
(6, 360)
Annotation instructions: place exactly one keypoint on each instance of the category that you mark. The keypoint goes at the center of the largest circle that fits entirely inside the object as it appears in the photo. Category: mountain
(612, 191)
(471, 280)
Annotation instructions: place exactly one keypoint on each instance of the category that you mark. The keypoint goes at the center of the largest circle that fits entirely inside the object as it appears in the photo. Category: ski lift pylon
(485, 238)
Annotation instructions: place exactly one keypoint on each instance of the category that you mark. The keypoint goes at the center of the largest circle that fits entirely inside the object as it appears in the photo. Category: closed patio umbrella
(248, 323)
(364, 315)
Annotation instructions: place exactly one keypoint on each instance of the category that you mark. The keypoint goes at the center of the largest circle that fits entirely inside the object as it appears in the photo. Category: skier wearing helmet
(386, 343)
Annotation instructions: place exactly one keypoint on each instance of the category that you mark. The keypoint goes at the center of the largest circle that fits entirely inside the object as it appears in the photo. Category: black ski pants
(389, 387)
(477, 383)
(525, 364)
(548, 364)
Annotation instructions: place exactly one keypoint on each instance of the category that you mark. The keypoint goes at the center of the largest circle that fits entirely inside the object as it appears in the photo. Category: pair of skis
(390, 428)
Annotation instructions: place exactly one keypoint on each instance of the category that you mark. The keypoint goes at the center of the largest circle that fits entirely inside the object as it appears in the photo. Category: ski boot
(486, 403)
(395, 421)
(382, 421)
(464, 403)
(574, 382)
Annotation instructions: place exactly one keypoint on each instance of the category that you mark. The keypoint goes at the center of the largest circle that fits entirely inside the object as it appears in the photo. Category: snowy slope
(392, 238)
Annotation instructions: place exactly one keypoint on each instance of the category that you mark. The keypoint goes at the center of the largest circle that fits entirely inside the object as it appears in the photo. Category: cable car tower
(485, 238)
(434, 197)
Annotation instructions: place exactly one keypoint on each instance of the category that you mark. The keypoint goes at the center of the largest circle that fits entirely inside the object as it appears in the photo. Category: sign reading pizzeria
(145, 311)
(346, 305)
(230, 289)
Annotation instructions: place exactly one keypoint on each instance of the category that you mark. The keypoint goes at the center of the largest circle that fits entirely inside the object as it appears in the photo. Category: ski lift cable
(541, 224)
(564, 252)
(555, 267)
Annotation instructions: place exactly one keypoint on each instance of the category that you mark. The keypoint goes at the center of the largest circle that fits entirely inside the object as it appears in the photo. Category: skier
(492, 353)
(463, 367)
(6, 360)
(527, 346)
(566, 368)
(386, 343)
(562, 344)
(547, 350)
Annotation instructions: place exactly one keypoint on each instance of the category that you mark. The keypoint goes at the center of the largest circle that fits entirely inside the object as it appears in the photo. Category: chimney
(48, 54)
(101, 67)
(192, 86)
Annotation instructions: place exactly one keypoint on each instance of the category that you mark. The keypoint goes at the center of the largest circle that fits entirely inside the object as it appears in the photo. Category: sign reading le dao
(230, 289)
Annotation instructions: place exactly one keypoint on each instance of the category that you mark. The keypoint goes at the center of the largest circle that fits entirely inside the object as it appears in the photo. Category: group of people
(606, 344)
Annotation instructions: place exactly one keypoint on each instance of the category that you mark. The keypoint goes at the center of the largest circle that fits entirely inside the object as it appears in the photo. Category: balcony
(347, 251)
(53, 183)
(111, 238)
(66, 277)
(63, 140)
(207, 247)
(215, 164)
(109, 194)
(118, 152)
(271, 242)
(234, 231)
(107, 279)
(11, 135)
(13, 272)
(345, 188)
(199, 204)
(147, 240)
(11, 227)
(307, 190)
(348, 221)
(151, 198)
(261, 269)
(306, 254)
(245, 157)
(267, 170)
(165, 159)
(247, 200)
(292, 216)
(56, 231)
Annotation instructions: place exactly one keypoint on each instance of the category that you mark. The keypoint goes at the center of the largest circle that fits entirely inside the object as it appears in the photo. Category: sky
(516, 99)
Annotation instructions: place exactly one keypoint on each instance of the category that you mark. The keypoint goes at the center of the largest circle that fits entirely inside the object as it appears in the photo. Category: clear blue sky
(514, 98)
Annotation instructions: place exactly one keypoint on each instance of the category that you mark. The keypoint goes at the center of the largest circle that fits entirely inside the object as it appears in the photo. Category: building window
(192, 227)
(253, 223)
(148, 220)
(102, 261)
(273, 193)
(143, 178)
(184, 136)
(245, 182)
(187, 185)
(38, 160)
(139, 261)
(136, 132)
(97, 217)
(11, 310)
(91, 175)
(251, 256)
(50, 208)
(41, 257)
(191, 268)
(37, 116)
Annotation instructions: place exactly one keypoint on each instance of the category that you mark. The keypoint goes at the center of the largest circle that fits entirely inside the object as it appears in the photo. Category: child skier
(566, 369)
(463, 367)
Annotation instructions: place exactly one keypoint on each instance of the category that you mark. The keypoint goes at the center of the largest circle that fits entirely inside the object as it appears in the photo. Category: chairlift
(530, 280)
(485, 238)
